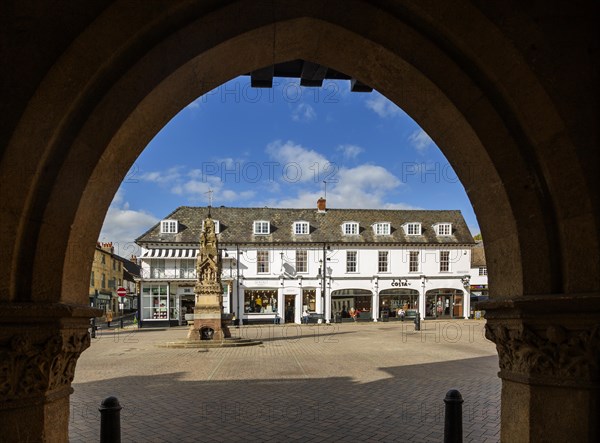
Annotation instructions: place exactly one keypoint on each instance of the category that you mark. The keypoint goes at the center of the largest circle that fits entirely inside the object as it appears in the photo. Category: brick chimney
(321, 204)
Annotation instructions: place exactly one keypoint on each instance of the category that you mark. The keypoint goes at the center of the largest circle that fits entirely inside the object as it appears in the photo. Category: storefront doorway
(343, 300)
(390, 300)
(444, 303)
(290, 308)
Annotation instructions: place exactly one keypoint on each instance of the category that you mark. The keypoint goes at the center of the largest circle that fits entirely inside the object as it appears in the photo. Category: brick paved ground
(348, 382)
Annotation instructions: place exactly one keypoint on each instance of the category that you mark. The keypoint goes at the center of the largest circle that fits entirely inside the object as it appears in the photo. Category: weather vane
(210, 194)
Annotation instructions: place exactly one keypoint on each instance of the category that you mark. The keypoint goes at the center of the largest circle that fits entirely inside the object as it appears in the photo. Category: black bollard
(453, 418)
(417, 322)
(93, 327)
(110, 420)
(121, 322)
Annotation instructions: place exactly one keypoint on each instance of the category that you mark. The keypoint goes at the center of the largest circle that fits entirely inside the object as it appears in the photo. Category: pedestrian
(353, 313)
(109, 317)
(305, 317)
(401, 314)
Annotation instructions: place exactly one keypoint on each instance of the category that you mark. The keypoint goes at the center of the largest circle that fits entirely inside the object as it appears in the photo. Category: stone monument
(209, 323)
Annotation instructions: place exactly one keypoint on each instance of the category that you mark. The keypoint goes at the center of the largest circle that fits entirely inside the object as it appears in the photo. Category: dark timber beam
(357, 86)
(262, 78)
(312, 74)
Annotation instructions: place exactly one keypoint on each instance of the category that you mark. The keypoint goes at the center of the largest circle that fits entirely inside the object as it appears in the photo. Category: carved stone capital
(39, 348)
(547, 340)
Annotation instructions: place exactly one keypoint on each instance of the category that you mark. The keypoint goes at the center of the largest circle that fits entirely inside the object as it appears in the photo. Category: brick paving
(375, 382)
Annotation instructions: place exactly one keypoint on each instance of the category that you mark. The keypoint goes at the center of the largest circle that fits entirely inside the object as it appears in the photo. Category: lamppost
(237, 281)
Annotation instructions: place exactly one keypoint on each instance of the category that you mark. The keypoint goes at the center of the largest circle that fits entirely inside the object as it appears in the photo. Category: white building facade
(278, 263)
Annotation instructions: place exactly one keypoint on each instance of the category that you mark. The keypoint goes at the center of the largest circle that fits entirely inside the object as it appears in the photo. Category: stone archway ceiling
(310, 75)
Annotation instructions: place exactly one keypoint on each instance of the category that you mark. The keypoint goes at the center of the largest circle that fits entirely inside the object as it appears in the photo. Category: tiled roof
(478, 255)
(236, 226)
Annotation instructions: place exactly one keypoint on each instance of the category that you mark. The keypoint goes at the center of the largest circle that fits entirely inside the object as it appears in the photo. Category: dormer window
(350, 228)
(168, 227)
(217, 226)
(261, 227)
(412, 228)
(301, 228)
(381, 228)
(444, 229)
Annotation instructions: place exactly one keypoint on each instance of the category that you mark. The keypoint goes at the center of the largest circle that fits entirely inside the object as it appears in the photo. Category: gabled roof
(236, 226)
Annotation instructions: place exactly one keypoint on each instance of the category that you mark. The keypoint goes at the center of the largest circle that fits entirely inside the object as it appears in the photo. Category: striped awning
(177, 253)
(171, 253)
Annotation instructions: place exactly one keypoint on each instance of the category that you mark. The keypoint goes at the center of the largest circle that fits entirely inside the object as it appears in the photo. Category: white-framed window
(483, 270)
(383, 261)
(351, 261)
(301, 228)
(444, 261)
(262, 262)
(413, 261)
(187, 268)
(168, 227)
(157, 268)
(301, 260)
(412, 228)
(381, 228)
(217, 226)
(350, 228)
(444, 229)
(262, 227)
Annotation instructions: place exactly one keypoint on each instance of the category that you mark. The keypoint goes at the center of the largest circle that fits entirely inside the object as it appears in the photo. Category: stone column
(549, 353)
(39, 347)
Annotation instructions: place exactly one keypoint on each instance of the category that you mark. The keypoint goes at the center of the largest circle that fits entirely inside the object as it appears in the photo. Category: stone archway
(518, 131)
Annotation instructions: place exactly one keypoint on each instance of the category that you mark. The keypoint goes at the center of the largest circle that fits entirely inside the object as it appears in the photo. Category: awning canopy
(177, 253)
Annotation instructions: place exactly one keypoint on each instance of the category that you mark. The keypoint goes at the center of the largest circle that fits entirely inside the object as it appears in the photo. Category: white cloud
(123, 225)
(420, 140)
(297, 163)
(304, 113)
(381, 106)
(350, 151)
(162, 177)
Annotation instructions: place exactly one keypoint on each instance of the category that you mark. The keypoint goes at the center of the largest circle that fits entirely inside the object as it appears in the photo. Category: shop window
(383, 261)
(262, 262)
(260, 301)
(413, 261)
(309, 298)
(155, 302)
(444, 261)
(301, 260)
(351, 261)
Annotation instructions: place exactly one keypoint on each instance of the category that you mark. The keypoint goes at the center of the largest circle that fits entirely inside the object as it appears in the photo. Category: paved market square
(340, 382)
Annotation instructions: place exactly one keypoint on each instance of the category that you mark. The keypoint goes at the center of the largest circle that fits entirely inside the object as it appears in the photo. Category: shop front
(344, 301)
(444, 303)
(261, 305)
(159, 307)
(390, 300)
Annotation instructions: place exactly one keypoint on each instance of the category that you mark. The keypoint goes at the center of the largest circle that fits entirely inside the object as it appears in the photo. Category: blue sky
(275, 147)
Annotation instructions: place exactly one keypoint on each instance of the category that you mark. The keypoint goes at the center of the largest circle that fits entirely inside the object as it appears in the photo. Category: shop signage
(398, 282)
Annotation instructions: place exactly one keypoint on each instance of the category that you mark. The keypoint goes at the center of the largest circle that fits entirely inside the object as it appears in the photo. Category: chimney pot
(321, 204)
